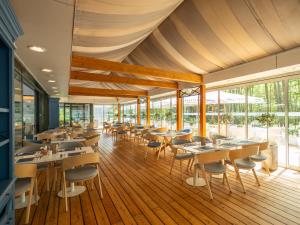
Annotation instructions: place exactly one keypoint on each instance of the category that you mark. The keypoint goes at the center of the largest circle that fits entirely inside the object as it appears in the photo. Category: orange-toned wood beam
(105, 65)
(179, 109)
(78, 75)
(138, 111)
(105, 92)
(148, 111)
(202, 111)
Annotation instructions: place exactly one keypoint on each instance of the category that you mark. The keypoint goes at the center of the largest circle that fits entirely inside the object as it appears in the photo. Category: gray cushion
(184, 156)
(244, 164)
(122, 132)
(258, 158)
(22, 185)
(42, 166)
(154, 144)
(70, 145)
(179, 141)
(216, 167)
(81, 173)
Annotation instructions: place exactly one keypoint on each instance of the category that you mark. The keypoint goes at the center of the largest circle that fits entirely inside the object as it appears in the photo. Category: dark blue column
(53, 113)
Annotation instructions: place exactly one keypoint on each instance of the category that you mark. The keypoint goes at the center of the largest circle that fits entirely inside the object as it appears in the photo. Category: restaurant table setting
(47, 156)
(222, 144)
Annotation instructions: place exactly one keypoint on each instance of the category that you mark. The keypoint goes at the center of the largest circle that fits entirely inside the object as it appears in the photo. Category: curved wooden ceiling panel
(200, 36)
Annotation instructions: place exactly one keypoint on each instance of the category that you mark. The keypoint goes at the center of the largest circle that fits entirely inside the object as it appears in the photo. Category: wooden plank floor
(143, 192)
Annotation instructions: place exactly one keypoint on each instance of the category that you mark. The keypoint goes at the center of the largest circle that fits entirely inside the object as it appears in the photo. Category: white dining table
(64, 140)
(196, 148)
(50, 158)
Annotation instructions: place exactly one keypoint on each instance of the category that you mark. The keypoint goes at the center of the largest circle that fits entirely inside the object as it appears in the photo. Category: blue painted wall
(53, 113)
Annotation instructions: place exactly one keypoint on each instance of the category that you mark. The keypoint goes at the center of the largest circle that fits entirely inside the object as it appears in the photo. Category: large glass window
(18, 111)
(143, 113)
(74, 113)
(232, 112)
(28, 112)
(294, 123)
(212, 113)
(191, 113)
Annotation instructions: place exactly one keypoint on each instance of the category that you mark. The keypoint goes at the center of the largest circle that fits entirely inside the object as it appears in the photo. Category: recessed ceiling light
(51, 81)
(55, 90)
(46, 70)
(36, 48)
(54, 87)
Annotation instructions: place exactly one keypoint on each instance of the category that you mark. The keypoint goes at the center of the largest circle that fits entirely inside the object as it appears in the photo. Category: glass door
(294, 123)
(18, 111)
(28, 112)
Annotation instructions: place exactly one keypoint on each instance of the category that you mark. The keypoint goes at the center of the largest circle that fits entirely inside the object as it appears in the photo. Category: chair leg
(65, 191)
(195, 176)
(239, 178)
(254, 173)
(210, 178)
(206, 181)
(29, 201)
(188, 165)
(191, 166)
(172, 164)
(227, 182)
(158, 153)
(36, 191)
(99, 180)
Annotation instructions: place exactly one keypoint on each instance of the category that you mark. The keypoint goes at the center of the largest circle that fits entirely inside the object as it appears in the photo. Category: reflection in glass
(18, 111)
(28, 112)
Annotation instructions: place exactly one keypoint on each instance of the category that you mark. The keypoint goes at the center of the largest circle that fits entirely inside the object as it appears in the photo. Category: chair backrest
(263, 146)
(161, 129)
(80, 160)
(70, 145)
(215, 156)
(156, 138)
(201, 139)
(44, 136)
(27, 170)
(244, 152)
(187, 137)
(92, 141)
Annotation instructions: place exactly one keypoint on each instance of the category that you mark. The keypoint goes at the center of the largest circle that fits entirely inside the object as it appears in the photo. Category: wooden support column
(119, 112)
(202, 111)
(179, 109)
(138, 111)
(148, 111)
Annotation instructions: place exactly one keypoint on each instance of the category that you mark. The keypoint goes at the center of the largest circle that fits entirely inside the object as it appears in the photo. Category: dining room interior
(149, 112)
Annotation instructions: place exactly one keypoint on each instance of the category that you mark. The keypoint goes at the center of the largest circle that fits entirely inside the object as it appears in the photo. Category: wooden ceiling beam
(78, 75)
(105, 65)
(73, 90)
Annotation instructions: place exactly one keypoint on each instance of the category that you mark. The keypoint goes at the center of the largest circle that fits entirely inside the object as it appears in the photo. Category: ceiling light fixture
(46, 70)
(51, 81)
(54, 87)
(36, 48)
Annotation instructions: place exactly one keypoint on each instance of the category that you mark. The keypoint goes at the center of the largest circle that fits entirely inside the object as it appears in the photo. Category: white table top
(54, 157)
(197, 148)
(59, 141)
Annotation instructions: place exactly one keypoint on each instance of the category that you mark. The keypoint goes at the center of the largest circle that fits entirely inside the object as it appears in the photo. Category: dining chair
(81, 168)
(203, 140)
(212, 163)
(155, 143)
(260, 158)
(106, 127)
(122, 132)
(180, 140)
(26, 182)
(161, 129)
(240, 159)
(92, 142)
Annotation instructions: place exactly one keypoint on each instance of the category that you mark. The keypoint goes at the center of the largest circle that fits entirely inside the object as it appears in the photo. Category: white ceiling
(48, 24)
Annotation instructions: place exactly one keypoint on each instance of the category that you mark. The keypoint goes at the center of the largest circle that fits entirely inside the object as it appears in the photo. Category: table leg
(22, 201)
(72, 191)
(198, 181)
